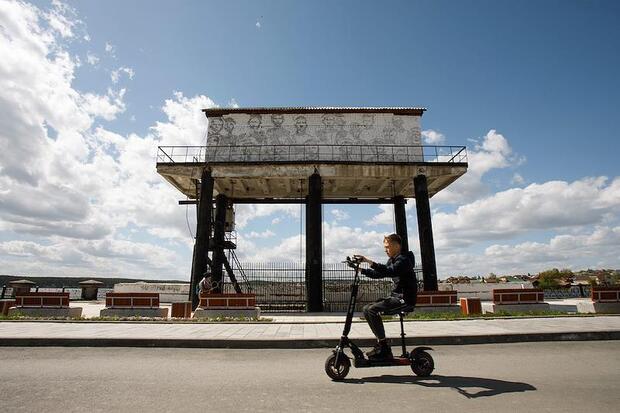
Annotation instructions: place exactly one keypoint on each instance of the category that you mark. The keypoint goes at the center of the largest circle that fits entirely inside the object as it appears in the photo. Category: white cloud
(385, 217)
(338, 242)
(61, 19)
(116, 74)
(596, 249)
(187, 124)
(232, 103)
(84, 188)
(265, 234)
(553, 205)
(339, 214)
(258, 25)
(517, 179)
(494, 152)
(432, 137)
(103, 258)
(92, 59)
(245, 213)
(104, 106)
(276, 221)
(110, 49)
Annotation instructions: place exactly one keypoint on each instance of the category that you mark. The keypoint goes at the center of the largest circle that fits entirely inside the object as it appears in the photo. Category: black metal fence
(574, 291)
(305, 153)
(281, 286)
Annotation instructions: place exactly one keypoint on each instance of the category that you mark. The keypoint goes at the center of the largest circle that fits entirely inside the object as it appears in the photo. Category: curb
(305, 343)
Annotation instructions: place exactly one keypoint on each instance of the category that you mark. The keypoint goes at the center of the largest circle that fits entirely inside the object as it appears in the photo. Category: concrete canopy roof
(414, 111)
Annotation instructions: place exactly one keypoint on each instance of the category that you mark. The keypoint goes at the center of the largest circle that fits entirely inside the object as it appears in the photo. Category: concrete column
(425, 232)
(203, 233)
(401, 221)
(314, 245)
(221, 202)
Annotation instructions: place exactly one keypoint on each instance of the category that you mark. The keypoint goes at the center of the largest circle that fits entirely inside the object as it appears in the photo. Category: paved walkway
(92, 309)
(317, 331)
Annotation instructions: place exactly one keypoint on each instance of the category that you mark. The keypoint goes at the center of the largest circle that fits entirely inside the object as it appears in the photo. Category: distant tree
(554, 278)
(491, 278)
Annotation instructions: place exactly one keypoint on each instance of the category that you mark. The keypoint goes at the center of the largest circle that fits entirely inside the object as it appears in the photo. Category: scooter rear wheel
(422, 364)
(340, 371)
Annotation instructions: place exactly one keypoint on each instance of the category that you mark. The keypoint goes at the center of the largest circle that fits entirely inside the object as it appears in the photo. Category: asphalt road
(522, 377)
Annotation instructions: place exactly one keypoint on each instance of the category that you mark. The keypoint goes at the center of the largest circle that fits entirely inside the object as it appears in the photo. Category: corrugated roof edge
(262, 110)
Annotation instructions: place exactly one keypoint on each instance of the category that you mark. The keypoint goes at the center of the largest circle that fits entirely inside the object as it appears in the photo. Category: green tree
(550, 279)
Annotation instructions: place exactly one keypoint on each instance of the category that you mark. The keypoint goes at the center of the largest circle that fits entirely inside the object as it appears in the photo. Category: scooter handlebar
(353, 262)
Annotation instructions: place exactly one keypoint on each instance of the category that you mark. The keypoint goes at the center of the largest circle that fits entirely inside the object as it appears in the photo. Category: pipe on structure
(200, 257)
(425, 232)
(219, 228)
(400, 216)
(314, 245)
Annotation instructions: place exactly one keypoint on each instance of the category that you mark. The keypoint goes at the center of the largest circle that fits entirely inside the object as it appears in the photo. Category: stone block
(495, 308)
(135, 312)
(72, 312)
(437, 309)
(229, 312)
(599, 308)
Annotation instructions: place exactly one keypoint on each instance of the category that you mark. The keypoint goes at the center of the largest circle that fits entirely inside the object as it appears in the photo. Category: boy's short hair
(394, 238)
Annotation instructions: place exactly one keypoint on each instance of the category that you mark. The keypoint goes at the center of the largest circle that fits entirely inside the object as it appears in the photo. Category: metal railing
(312, 153)
(281, 286)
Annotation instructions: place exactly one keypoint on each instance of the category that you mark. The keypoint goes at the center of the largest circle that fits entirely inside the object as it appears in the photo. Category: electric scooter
(338, 364)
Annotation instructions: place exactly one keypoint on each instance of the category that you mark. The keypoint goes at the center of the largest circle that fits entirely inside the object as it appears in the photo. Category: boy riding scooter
(400, 268)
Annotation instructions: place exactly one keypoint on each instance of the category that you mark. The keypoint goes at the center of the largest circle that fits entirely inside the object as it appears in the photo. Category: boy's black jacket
(400, 269)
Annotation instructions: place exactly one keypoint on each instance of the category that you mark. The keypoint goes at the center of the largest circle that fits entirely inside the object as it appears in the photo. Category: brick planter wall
(606, 294)
(42, 300)
(132, 300)
(436, 298)
(222, 301)
(471, 306)
(519, 296)
(181, 310)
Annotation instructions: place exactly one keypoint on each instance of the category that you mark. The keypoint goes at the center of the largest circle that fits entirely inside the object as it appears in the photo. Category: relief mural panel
(328, 136)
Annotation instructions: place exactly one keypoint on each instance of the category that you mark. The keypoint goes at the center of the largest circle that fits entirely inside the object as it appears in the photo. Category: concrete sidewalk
(314, 331)
(91, 309)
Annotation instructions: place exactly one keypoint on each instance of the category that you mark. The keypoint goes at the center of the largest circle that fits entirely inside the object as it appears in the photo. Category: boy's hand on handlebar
(362, 259)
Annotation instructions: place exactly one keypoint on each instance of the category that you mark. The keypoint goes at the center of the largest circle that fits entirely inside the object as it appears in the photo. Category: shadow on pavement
(467, 386)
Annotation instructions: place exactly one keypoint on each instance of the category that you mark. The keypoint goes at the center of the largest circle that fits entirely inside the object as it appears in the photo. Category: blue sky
(530, 87)
(543, 73)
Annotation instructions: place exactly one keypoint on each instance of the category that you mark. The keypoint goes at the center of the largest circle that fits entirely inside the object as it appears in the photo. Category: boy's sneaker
(381, 351)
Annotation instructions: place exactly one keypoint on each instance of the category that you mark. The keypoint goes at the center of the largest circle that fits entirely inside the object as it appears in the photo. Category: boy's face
(392, 249)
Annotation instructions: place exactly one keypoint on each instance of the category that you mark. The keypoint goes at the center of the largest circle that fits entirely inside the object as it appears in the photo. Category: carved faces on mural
(228, 137)
(254, 122)
(215, 125)
(355, 134)
(215, 129)
(229, 125)
(301, 125)
(277, 119)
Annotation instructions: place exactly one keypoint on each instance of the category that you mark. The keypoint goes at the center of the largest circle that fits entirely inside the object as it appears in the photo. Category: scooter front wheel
(422, 364)
(340, 371)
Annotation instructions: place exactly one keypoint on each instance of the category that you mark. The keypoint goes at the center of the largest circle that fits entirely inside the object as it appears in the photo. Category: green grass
(18, 316)
(499, 314)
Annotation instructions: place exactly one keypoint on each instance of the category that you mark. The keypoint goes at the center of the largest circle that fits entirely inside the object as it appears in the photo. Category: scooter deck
(396, 361)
